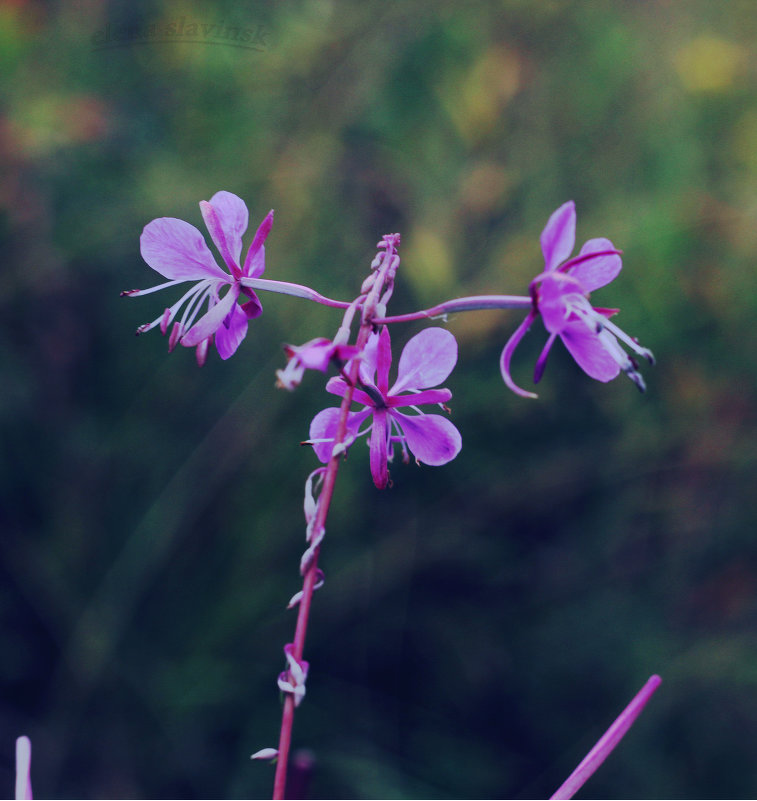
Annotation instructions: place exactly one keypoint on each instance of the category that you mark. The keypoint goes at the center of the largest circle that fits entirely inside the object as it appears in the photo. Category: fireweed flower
(177, 250)
(561, 295)
(426, 360)
(317, 354)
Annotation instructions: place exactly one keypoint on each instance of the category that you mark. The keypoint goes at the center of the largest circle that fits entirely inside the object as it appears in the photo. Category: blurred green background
(481, 623)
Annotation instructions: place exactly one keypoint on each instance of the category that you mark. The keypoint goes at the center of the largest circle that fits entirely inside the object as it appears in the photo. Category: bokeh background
(481, 623)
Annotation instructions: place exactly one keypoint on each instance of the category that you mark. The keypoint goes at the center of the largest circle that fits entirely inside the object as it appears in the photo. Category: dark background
(483, 622)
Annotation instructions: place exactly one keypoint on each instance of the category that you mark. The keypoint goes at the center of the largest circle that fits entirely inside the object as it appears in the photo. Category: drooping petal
(541, 362)
(559, 235)
(426, 360)
(379, 449)
(507, 355)
(232, 214)
(600, 271)
(252, 307)
(177, 250)
(383, 361)
(587, 349)
(431, 438)
(231, 332)
(323, 430)
(254, 263)
(212, 320)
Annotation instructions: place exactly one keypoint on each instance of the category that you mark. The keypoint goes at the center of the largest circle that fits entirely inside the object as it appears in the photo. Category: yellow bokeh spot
(427, 262)
(709, 64)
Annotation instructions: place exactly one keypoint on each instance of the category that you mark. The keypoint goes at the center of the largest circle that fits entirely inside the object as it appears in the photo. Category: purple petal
(558, 294)
(253, 307)
(507, 354)
(431, 438)
(367, 372)
(231, 332)
(379, 448)
(324, 426)
(589, 352)
(212, 320)
(177, 250)
(541, 362)
(226, 224)
(419, 398)
(559, 235)
(254, 263)
(338, 386)
(427, 359)
(597, 272)
(383, 361)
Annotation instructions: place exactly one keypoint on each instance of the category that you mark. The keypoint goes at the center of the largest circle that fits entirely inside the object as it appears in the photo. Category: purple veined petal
(233, 217)
(431, 438)
(212, 320)
(590, 354)
(177, 250)
(379, 448)
(23, 768)
(419, 398)
(507, 354)
(598, 272)
(323, 430)
(219, 237)
(383, 361)
(231, 332)
(254, 263)
(426, 360)
(559, 235)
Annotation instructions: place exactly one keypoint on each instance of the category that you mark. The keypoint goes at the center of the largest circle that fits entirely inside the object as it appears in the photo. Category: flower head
(177, 250)
(426, 360)
(314, 355)
(561, 295)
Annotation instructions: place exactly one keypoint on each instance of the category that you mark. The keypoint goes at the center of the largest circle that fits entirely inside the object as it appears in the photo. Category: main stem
(324, 501)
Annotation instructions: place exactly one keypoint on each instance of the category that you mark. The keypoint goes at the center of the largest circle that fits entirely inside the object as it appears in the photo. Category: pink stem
(324, 501)
(607, 741)
(473, 303)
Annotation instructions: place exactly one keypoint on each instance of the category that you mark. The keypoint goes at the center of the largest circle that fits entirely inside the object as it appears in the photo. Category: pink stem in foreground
(23, 768)
(607, 741)
(472, 303)
(324, 501)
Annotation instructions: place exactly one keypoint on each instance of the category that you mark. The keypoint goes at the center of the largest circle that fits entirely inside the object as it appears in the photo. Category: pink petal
(338, 386)
(231, 332)
(559, 235)
(589, 352)
(254, 263)
(177, 250)
(383, 361)
(557, 293)
(324, 426)
(212, 320)
(232, 214)
(367, 372)
(597, 272)
(507, 354)
(379, 448)
(427, 360)
(431, 438)
(419, 398)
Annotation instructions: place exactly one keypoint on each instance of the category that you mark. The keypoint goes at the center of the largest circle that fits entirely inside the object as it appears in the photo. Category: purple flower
(177, 250)
(317, 354)
(561, 295)
(426, 360)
